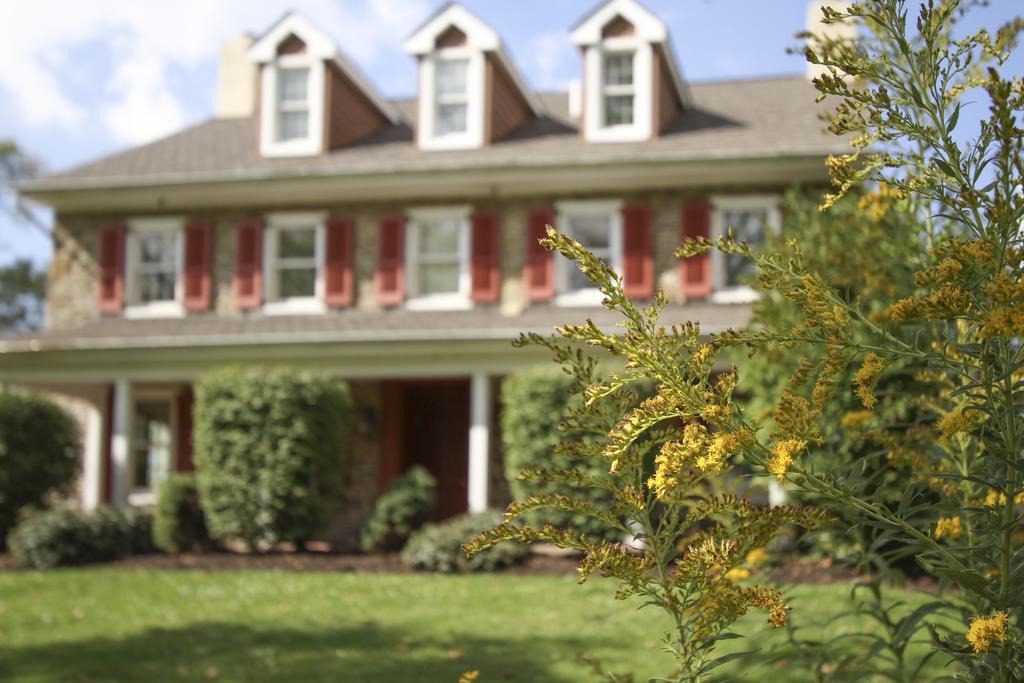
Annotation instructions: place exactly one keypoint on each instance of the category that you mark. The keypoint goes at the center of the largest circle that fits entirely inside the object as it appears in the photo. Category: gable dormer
(470, 92)
(312, 99)
(632, 85)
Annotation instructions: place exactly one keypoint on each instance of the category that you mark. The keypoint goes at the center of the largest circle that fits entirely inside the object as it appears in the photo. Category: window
(293, 104)
(294, 249)
(150, 459)
(153, 267)
(598, 227)
(750, 218)
(618, 88)
(438, 258)
(451, 96)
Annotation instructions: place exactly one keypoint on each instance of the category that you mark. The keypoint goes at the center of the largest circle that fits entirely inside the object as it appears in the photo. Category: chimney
(236, 79)
(845, 30)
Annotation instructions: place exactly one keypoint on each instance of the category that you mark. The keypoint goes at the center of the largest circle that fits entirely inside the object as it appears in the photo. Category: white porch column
(479, 441)
(120, 446)
(92, 465)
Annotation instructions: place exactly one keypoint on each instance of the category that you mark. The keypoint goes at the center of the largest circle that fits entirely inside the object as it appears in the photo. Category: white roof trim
(478, 34)
(318, 43)
(647, 24)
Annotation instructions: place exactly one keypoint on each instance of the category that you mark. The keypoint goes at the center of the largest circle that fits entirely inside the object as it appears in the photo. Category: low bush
(271, 453)
(438, 547)
(61, 537)
(401, 509)
(534, 403)
(39, 453)
(178, 521)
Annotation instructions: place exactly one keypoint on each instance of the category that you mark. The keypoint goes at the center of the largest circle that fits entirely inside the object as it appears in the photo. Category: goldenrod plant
(899, 93)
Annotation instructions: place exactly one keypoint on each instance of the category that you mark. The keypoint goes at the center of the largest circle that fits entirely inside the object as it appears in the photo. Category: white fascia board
(318, 43)
(647, 24)
(478, 34)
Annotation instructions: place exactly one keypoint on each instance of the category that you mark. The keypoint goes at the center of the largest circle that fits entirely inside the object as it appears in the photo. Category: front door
(431, 418)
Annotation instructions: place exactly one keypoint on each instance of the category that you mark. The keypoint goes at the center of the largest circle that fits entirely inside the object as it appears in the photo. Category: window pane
(749, 227)
(451, 118)
(157, 248)
(296, 243)
(595, 233)
(296, 282)
(156, 287)
(618, 69)
(439, 237)
(618, 110)
(151, 452)
(450, 76)
(294, 125)
(293, 85)
(437, 278)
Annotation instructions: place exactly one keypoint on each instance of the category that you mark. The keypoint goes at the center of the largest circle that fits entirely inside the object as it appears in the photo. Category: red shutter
(695, 272)
(248, 283)
(539, 273)
(637, 254)
(111, 270)
(183, 438)
(339, 279)
(485, 270)
(198, 254)
(391, 261)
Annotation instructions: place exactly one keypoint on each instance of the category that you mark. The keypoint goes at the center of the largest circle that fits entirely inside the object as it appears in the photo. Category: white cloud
(143, 41)
(554, 59)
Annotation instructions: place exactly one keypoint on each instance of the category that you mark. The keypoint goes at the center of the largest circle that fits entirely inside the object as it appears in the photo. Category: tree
(22, 286)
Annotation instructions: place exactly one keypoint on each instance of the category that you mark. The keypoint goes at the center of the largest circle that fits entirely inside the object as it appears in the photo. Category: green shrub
(178, 521)
(438, 547)
(533, 404)
(271, 452)
(39, 453)
(401, 509)
(61, 537)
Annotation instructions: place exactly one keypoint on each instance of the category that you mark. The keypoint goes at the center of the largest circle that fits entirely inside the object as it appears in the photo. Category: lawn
(104, 625)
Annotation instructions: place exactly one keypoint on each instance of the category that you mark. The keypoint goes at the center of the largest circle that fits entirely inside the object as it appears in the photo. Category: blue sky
(82, 79)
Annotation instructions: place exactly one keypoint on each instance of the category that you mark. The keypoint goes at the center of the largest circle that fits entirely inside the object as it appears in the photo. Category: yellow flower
(783, 453)
(984, 630)
(949, 527)
(866, 378)
(757, 556)
(959, 421)
(737, 574)
(855, 419)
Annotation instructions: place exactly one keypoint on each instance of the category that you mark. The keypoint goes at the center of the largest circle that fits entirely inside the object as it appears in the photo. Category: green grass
(106, 625)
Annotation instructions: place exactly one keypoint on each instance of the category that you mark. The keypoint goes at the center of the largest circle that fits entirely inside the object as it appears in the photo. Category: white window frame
(594, 90)
(721, 292)
(312, 144)
(459, 300)
(473, 137)
(617, 90)
(146, 497)
(590, 296)
(276, 222)
(153, 309)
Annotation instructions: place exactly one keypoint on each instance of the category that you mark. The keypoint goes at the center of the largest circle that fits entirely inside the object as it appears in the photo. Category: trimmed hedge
(401, 509)
(62, 537)
(40, 451)
(271, 452)
(438, 547)
(178, 521)
(534, 402)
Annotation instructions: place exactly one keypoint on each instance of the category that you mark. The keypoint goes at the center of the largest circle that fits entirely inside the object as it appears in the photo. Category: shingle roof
(349, 326)
(751, 119)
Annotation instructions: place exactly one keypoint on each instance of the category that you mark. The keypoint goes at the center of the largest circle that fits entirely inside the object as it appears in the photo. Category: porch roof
(211, 330)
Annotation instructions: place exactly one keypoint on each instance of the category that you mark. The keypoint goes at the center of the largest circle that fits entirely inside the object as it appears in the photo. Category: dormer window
(619, 89)
(293, 104)
(451, 96)
(470, 92)
(631, 84)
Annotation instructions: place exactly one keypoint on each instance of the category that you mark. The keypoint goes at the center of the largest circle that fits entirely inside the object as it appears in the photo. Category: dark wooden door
(435, 434)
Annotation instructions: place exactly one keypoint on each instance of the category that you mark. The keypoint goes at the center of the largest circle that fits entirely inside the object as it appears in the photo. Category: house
(316, 223)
